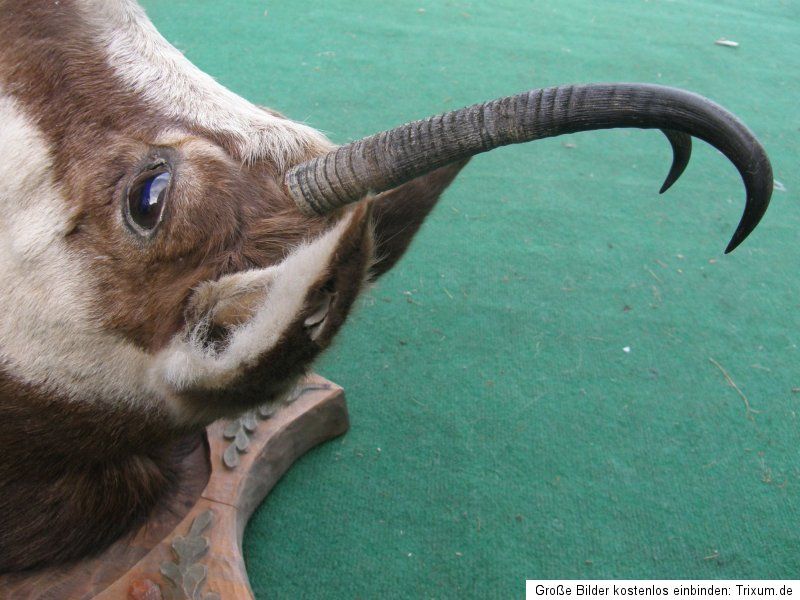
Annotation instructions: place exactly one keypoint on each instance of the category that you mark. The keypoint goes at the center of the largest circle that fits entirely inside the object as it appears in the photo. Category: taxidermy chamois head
(172, 254)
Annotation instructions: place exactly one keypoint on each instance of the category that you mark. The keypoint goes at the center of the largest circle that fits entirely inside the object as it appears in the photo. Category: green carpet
(499, 429)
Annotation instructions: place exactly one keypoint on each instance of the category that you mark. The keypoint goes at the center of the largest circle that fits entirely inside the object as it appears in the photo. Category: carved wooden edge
(186, 574)
(202, 558)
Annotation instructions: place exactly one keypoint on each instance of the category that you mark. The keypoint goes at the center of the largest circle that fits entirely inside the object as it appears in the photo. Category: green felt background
(499, 430)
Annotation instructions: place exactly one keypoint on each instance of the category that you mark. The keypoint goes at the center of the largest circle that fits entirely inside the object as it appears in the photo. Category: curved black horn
(389, 158)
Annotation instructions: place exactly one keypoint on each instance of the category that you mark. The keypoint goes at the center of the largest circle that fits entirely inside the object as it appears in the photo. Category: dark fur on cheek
(75, 477)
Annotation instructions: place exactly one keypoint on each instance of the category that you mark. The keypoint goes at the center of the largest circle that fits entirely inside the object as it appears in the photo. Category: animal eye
(146, 200)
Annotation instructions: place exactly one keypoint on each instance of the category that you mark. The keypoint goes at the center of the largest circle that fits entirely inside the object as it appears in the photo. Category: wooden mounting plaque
(191, 546)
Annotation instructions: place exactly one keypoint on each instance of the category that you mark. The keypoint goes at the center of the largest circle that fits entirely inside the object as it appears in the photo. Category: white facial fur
(47, 335)
(188, 363)
(146, 63)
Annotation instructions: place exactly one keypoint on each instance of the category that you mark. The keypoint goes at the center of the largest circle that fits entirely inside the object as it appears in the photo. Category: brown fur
(76, 475)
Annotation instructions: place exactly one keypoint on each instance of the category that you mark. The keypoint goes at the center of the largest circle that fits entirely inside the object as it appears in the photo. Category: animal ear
(398, 213)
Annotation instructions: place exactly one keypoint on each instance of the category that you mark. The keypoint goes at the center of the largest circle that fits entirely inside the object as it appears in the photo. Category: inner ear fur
(398, 213)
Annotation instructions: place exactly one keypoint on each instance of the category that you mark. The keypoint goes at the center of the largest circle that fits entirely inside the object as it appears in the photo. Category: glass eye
(146, 201)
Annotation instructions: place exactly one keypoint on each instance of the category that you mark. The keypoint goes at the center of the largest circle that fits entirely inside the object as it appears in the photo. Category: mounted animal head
(170, 247)
(172, 254)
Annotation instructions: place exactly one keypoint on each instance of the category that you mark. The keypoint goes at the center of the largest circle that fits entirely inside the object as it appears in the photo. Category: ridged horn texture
(387, 159)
